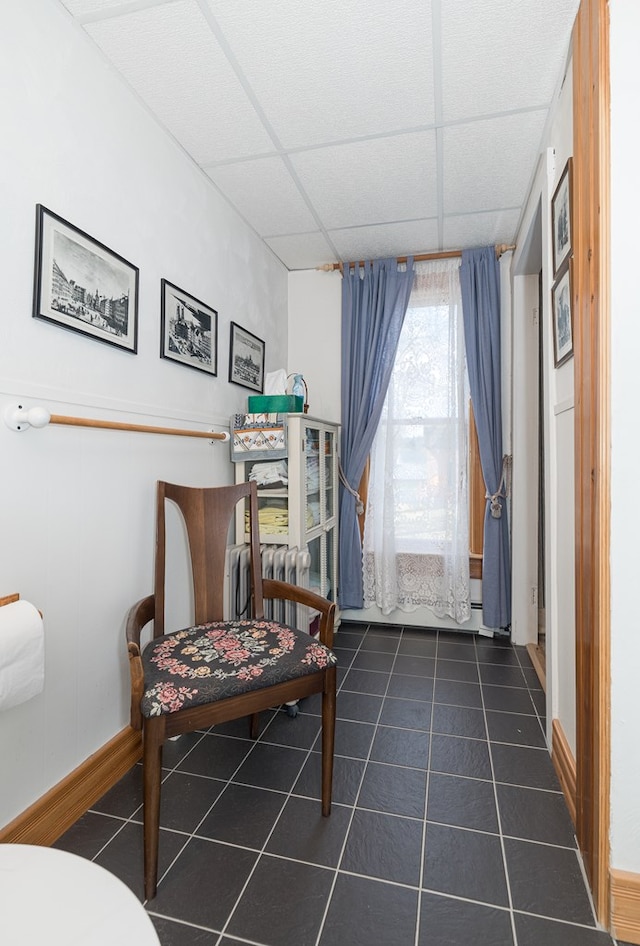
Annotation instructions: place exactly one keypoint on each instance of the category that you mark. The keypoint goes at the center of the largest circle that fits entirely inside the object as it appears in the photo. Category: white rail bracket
(18, 417)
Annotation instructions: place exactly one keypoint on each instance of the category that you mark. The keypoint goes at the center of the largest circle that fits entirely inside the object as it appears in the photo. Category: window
(416, 535)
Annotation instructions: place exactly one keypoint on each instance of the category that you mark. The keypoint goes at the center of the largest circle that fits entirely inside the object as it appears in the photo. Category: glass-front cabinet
(298, 501)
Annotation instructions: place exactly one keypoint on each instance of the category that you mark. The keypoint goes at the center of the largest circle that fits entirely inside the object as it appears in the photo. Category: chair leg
(254, 725)
(153, 737)
(328, 735)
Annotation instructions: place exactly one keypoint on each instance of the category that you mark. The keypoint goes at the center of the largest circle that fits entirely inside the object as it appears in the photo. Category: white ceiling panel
(498, 56)
(377, 181)
(331, 70)
(302, 251)
(391, 239)
(91, 7)
(172, 60)
(468, 230)
(344, 129)
(505, 152)
(266, 195)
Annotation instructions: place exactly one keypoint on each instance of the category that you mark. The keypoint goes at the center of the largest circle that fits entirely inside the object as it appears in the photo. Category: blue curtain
(375, 296)
(480, 284)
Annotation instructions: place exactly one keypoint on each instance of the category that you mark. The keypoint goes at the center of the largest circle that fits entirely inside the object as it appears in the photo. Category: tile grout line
(423, 846)
(262, 851)
(193, 833)
(495, 797)
(359, 789)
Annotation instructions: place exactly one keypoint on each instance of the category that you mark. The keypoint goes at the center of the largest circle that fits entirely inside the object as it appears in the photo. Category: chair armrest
(137, 617)
(271, 588)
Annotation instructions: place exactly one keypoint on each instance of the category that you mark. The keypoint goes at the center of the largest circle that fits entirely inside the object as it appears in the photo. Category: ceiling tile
(87, 7)
(330, 71)
(483, 229)
(384, 180)
(502, 55)
(391, 239)
(505, 152)
(265, 194)
(302, 251)
(172, 60)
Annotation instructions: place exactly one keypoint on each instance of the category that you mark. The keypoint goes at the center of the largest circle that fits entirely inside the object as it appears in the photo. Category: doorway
(529, 431)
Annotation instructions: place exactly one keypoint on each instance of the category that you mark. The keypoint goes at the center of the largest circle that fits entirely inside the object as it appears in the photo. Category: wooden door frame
(591, 318)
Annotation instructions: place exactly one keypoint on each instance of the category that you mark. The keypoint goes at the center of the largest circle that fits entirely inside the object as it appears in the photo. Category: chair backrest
(207, 514)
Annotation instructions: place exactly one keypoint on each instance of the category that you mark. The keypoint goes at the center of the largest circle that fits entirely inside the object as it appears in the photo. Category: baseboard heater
(279, 562)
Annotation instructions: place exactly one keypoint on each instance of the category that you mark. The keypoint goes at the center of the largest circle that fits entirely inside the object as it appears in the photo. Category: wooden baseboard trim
(625, 906)
(54, 813)
(538, 664)
(565, 766)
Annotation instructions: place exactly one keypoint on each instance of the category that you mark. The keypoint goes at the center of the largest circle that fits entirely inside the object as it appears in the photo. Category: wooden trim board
(565, 766)
(591, 320)
(625, 906)
(54, 813)
(538, 661)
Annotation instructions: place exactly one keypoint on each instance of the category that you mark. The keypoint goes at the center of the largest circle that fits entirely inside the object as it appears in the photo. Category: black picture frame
(246, 359)
(189, 329)
(562, 314)
(562, 218)
(82, 285)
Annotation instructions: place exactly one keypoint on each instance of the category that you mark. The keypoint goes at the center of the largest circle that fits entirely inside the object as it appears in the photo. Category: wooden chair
(215, 671)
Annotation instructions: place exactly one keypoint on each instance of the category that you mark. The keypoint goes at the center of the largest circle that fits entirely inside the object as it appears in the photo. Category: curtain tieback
(503, 488)
(349, 488)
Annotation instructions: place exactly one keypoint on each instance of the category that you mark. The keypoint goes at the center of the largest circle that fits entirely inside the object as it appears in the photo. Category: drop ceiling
(350, 129)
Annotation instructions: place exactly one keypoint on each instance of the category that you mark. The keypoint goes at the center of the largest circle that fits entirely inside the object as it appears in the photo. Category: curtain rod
(449, 254)
(18, 418)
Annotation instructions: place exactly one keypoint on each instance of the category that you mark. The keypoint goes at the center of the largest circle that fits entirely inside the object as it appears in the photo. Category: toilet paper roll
(21, 653)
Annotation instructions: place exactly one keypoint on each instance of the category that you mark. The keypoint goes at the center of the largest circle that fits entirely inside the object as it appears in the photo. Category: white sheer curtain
(416, 538)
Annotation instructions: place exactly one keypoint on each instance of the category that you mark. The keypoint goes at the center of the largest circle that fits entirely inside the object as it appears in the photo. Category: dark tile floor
(448, 825)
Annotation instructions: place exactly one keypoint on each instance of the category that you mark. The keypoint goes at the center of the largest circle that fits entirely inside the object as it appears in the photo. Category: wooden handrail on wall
(19, 418)
(141, 428)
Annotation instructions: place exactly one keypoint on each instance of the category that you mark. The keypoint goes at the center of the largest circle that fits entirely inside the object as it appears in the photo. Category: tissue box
(275, 404)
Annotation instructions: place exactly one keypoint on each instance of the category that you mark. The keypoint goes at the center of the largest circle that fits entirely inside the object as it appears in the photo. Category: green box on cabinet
(275, 404)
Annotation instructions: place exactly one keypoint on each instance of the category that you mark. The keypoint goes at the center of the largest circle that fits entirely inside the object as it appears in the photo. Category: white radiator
(279, 562)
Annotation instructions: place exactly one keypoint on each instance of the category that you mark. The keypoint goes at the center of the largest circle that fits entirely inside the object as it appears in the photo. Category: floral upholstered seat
(220, 659)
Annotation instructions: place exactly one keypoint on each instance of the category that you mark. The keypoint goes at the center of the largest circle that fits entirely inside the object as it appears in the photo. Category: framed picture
(561, 217)
(82, 285)
(562, 315)
(246, 359)
(189, 332)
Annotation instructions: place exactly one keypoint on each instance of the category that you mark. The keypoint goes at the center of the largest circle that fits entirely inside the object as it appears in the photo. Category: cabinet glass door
(329, 477)
(312, 477)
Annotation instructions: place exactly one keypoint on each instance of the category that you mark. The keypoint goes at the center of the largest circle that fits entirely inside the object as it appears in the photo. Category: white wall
(625, 443)
(315, 302)
(76, 509)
